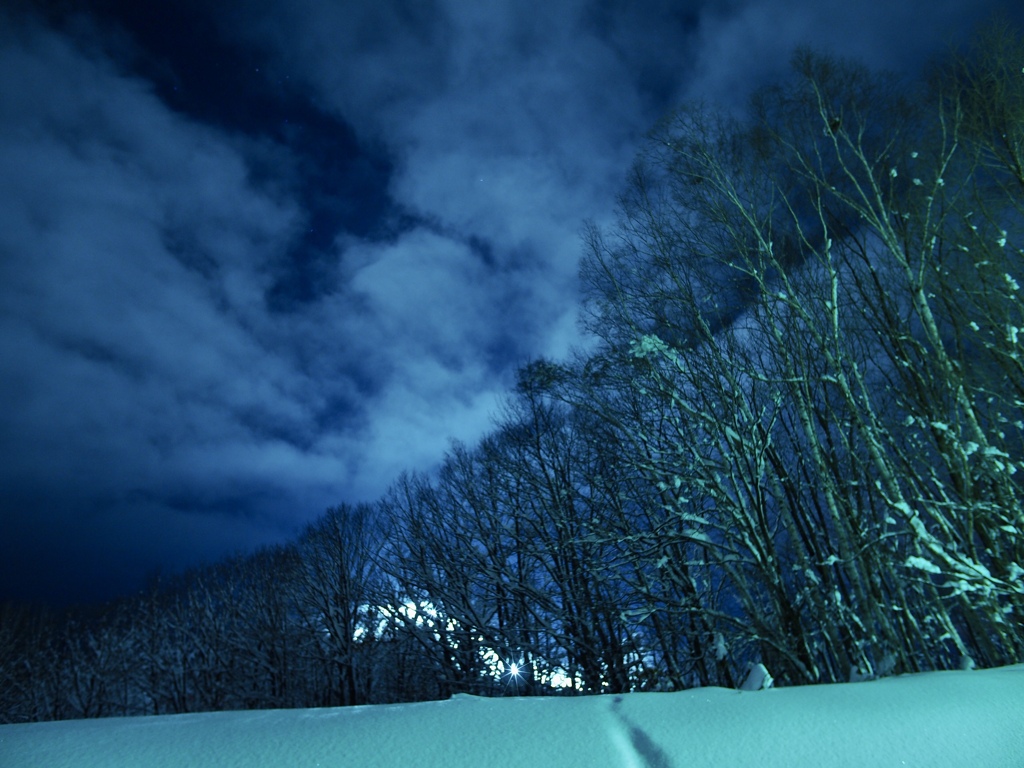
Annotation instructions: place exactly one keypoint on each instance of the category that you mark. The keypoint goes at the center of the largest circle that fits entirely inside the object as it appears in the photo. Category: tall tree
(339, 591)
(775, 292)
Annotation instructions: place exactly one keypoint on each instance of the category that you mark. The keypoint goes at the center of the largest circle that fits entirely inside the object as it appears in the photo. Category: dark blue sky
(257, 258)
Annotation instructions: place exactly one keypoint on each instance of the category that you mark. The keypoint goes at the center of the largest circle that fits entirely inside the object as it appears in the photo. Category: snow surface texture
(929, 720)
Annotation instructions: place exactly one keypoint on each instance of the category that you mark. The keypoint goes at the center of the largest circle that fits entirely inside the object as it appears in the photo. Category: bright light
(509, 668)
(513, 671)
(559, 678)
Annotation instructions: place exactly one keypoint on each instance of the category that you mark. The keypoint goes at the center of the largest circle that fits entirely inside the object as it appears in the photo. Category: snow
(934, 719)
(757, 678)
(922, 565)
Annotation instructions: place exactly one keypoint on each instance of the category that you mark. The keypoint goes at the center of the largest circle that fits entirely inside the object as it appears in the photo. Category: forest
(796, 440)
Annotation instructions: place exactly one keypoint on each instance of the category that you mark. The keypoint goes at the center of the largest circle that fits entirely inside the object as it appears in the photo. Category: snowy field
(930, 720)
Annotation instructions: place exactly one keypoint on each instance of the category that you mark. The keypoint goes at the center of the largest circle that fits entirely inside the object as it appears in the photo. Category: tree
(778, 296)
(338, 596)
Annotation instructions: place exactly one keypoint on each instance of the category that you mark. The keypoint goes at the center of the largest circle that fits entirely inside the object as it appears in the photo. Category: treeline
(796, 442)
(290, 626)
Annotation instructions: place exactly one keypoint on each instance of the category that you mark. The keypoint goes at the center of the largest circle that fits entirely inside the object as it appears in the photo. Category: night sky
(257, 257)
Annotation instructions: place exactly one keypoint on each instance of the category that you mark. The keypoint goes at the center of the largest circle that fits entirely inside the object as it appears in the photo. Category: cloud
(152, 394)
(743, 45)
(508, 123)
(171, 391)
(136, 352)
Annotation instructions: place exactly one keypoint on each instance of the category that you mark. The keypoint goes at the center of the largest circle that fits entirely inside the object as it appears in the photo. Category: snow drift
(930, 720)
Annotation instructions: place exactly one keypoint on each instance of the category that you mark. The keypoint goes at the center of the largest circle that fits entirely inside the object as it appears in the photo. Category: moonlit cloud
(134, 342)
(747, 43)
(208, 334)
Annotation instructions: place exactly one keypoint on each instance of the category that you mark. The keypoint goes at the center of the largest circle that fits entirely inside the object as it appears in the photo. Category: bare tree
(771, 291)
(339, 590)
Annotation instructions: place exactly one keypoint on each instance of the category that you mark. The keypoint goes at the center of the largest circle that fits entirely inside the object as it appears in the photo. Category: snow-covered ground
(930, 720)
